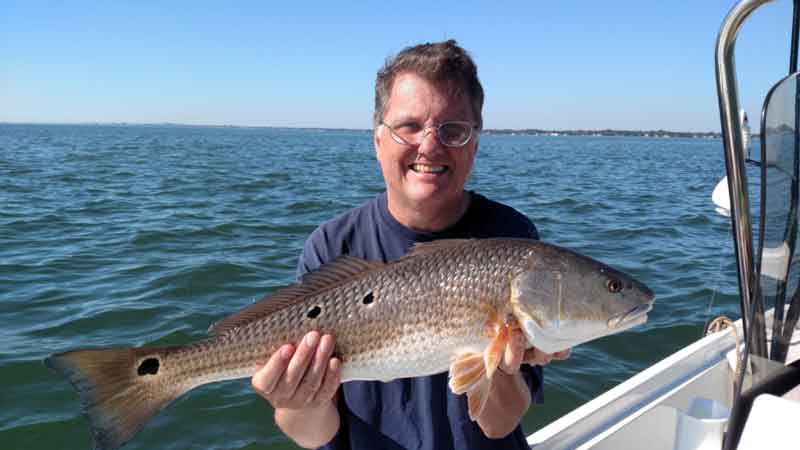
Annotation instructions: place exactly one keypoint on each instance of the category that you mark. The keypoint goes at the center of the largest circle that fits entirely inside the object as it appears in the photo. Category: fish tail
(120, 389)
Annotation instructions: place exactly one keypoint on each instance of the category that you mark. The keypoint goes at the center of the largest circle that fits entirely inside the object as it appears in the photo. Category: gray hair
(443, 63)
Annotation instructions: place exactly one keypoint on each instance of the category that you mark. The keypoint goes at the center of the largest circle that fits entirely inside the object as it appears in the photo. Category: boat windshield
(777, 233)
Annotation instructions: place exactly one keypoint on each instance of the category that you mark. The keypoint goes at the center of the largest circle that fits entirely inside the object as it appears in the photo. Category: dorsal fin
(423, 248)
(340, 269)
(327, 276)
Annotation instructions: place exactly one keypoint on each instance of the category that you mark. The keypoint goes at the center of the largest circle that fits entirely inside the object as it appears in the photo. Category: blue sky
(551, 65)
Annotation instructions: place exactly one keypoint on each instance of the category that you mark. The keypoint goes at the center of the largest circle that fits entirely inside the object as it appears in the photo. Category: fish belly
(411, 356)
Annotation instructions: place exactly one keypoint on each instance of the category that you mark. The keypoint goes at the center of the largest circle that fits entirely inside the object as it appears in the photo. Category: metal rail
(727, 92)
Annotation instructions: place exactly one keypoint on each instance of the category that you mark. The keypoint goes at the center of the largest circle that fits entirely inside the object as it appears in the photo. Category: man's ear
(376, 137)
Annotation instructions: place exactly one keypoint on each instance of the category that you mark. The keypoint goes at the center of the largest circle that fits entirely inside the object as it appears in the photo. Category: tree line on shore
(608, 132)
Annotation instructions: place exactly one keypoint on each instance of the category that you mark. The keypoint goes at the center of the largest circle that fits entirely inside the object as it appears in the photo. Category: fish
(448, 305)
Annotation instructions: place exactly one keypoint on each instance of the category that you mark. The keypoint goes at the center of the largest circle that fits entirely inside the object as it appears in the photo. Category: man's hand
(300, 382)
(516, 354)
(509, 395)
(301, 377)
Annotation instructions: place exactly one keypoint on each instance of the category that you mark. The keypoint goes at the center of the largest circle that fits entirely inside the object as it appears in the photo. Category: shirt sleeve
(533, 233)
(314, 254)
(534, 377)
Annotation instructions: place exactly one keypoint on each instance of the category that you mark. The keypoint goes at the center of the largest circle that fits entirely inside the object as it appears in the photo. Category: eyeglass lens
(451, 134)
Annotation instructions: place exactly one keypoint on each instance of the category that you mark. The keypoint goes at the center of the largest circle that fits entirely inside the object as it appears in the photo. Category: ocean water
(145, 235)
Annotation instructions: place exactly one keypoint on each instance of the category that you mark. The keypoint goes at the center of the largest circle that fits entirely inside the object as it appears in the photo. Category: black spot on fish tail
(115, 396)
(148, 367)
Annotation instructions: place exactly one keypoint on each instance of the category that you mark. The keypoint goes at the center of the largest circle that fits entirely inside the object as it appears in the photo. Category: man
(428, 102)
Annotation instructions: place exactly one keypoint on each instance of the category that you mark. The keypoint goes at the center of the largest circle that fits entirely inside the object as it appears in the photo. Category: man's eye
(409, 127)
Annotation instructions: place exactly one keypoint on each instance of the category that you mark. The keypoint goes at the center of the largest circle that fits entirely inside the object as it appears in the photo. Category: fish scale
(448, 304)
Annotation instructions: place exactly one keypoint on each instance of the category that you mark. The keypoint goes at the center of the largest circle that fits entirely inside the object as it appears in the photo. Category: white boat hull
(681, 402)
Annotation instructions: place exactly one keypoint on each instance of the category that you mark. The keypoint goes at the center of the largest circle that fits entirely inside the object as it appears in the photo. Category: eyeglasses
(449, 134)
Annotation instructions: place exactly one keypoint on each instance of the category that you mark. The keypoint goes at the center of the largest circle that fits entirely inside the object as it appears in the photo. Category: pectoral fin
(465, 372)
(471, 373)
(494, 351)
(468, 375)
(477, 397)
(468, 369)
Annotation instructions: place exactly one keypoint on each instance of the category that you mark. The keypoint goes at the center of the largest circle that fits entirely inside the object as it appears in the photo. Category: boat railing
(735, 156)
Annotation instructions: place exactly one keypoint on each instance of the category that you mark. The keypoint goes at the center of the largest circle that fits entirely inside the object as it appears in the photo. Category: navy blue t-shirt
(411, 413)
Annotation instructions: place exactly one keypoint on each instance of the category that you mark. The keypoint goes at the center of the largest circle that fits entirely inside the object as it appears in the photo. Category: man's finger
(320, 363)
(514, 354)
(331, 382)
(562, 355)
(313, 378)
(534, 356)
(299, 363)
(266, 378)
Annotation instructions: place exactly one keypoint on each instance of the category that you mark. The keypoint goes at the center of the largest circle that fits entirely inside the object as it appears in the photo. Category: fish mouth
(634, 316)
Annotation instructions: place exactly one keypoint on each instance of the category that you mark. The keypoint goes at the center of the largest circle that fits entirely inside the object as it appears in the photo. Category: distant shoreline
(610, 132)
(502, 131)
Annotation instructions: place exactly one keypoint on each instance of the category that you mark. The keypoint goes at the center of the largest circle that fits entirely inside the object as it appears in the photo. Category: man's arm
(509, 396)
(508, 400)
(309, 428)
(300, 382)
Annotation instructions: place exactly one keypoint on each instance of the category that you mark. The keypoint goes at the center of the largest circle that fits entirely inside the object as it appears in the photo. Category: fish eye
(614, 286)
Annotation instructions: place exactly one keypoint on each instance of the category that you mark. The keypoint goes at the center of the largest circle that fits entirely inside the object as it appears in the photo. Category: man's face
(427, 176)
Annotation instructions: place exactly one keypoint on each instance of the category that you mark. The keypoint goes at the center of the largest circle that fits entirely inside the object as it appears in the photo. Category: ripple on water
(644, 232)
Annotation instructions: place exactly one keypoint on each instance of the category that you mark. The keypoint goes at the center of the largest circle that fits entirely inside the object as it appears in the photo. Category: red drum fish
(447, 305)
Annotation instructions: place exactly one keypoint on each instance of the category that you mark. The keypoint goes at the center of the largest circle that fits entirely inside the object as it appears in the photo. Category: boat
(738, 387)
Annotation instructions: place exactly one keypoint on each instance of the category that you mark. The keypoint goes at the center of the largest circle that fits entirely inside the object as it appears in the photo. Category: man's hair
(443, 63)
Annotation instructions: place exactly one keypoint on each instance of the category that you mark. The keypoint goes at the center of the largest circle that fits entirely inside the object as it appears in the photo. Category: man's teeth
(424, 168)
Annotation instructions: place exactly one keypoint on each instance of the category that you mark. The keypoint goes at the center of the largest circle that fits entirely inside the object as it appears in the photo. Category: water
(113, 235)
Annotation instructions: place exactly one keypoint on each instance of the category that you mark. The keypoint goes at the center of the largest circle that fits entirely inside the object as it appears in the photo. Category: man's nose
(430, 141)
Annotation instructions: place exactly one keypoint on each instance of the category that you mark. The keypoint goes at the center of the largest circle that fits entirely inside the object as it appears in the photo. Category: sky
(637, 65)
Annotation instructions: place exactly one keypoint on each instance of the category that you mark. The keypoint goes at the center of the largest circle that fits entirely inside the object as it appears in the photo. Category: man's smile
(427, 168)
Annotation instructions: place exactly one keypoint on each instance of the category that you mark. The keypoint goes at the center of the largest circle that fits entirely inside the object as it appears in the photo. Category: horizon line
(298, 127)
